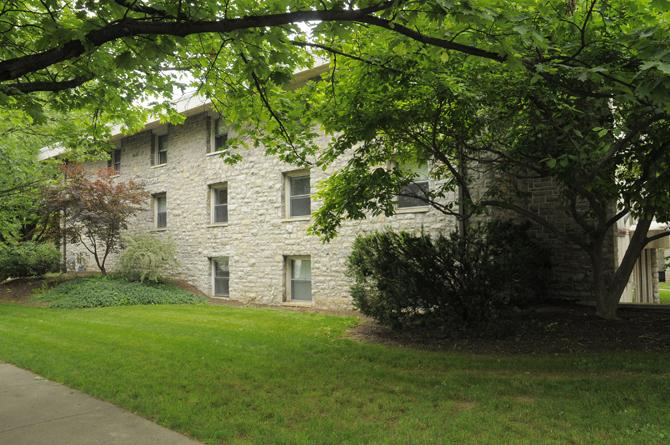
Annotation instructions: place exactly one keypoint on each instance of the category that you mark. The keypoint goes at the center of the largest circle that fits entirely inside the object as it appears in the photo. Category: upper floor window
(161, 149)
(298, 194)
(219, 203)
(115, 161)
(220, 135)
(415, 193)
(160, 210)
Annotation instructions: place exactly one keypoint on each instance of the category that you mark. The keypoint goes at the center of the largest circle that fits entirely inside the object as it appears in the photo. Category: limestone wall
(258, 236)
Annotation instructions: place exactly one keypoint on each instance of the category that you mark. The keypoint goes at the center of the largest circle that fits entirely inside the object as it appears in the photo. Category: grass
(260, 376)
(104, 291)
(664, 292)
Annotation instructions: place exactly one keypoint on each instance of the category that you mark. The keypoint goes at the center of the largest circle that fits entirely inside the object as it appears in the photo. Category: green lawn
(260, 376)
(664, 292)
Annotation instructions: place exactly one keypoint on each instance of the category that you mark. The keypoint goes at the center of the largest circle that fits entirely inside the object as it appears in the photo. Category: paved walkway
(35, 411)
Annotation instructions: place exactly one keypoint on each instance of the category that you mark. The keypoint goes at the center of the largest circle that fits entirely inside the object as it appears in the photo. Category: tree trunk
(614, 291)
(463, 203)
(64, 264)
(599, 288)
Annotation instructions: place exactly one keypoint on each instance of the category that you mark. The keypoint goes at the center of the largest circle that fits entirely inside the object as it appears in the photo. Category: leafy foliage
(590, 77)
(581, 100)
(27, 259)
(404, 280)
(96, 209)
(108, 291)
(145, 257)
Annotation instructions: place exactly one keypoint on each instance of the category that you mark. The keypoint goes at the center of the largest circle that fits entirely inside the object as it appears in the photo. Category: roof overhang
(190, 104)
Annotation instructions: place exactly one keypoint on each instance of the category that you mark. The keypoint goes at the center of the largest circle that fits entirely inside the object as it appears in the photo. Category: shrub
(146, 258)
(104, 291)
(27, 259)
(522, 265)
(404, 280)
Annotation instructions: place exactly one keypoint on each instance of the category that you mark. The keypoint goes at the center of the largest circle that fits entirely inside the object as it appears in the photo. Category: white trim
(211, 189)
(288, 280)
(212, 264)
(287, 176)
(297, 219)
(417, 209)
(154, 203)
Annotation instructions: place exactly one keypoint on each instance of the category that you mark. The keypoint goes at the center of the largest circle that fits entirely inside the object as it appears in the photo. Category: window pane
(117, 160)
(221, 277)
(301, 290)
(222, 287)
(161, 211)
(300, 185)
(221, 267)
(221, 213)
(300, 206)
(220, 141)
(162, 157)
(161, 219)
(301, 269)
(221, 196)
(408, 196)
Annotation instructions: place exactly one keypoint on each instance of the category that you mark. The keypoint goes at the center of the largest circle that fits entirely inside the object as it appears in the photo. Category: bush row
(404, 280)
(27, 259)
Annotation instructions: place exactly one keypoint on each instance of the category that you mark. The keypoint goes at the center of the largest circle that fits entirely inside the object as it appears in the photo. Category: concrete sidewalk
(34, 411)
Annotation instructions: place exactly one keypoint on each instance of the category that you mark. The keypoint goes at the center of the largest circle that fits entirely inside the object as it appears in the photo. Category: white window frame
(165, 138)
(288, 177)
(419, 203)
(417, 181)
(156, 197)
(218, 120)
(213, 262)
(288, 269)
(213, 188)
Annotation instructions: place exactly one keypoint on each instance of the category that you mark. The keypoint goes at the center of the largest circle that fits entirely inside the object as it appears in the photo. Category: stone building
(241, 230)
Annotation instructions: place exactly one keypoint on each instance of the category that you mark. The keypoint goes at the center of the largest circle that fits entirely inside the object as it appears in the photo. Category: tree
(95, 210)
(109, 58)
(599, 130)
(25, 173)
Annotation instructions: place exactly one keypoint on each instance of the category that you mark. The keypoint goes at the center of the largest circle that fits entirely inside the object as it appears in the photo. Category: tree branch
(656, 237)
(17, 67)
(31, 87)
(534, 217)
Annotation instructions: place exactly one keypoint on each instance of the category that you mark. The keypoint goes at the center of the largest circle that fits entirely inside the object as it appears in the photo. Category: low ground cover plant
(27, 259)
(106, 291)
(449, 282)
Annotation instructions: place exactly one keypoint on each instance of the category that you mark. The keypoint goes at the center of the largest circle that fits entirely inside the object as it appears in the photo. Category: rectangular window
(219, 197)
(220, 135)
(299, 276)
(161, 155)
(115, 161)
(415, 193)
(160, 210)
(411, 194)
(221, 275)
(299, 202)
